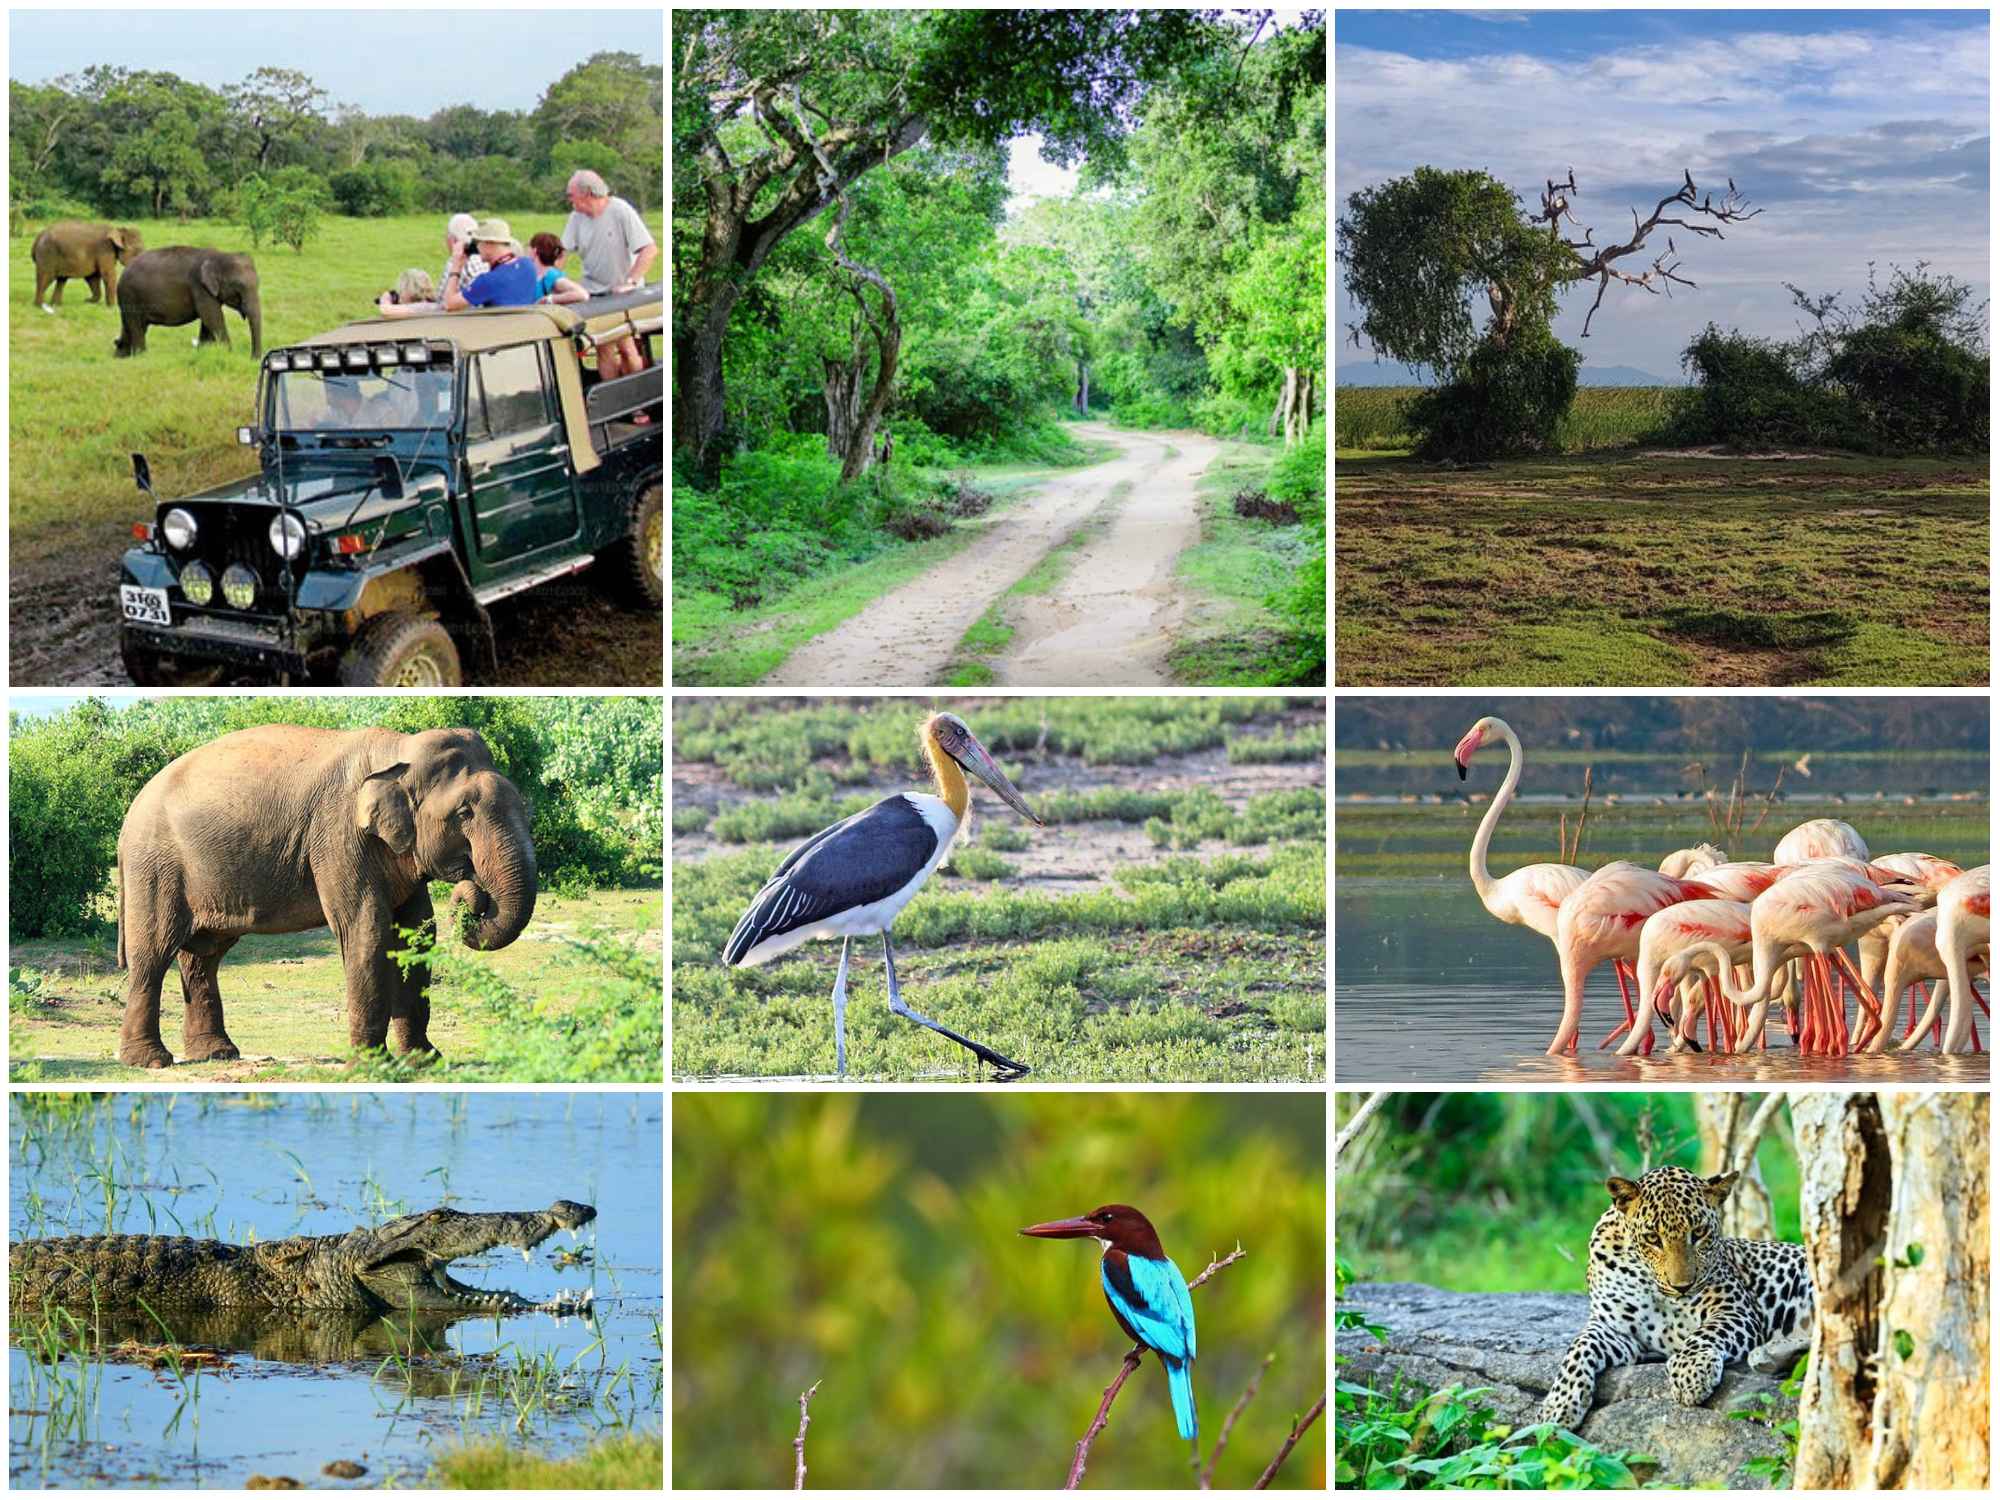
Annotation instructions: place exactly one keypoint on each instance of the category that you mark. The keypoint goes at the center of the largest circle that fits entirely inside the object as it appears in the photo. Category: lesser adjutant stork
(851, 880)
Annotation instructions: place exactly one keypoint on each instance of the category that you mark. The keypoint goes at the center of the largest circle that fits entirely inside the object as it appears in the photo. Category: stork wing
(1151, 1296)
(855, 863)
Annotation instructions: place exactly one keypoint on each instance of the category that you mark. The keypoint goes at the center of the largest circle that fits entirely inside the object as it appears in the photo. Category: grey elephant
(284, 829)
(94, 252)
(181, 283)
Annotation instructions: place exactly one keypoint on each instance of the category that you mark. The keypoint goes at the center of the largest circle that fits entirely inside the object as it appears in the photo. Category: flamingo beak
(980, 764)
(1462, 756)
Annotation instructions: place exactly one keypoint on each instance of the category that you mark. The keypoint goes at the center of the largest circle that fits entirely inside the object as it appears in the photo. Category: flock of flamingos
(1702, 930)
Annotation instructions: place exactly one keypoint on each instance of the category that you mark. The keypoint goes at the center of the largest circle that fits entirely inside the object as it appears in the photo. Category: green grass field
(1369, 418)
(285, 1003)
(1167, 924)
(1631, 569)
(77, 414)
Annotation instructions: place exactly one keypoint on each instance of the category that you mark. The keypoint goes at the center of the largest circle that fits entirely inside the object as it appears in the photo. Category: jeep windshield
(355, 403)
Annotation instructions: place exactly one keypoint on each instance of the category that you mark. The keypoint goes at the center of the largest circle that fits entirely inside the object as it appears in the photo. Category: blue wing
(1151, 1298)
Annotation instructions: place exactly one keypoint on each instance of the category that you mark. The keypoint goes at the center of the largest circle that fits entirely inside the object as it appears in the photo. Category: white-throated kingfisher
(1147, 1293)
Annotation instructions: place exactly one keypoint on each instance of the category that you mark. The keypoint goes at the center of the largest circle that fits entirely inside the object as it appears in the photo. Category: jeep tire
(632, 563)
(399, 649)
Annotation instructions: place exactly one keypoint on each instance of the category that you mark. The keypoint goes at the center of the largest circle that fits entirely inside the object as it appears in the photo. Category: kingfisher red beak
(1065, 1229)
(982, 765)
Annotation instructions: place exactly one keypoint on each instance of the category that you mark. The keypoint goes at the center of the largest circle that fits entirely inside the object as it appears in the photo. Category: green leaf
(1905, 1345)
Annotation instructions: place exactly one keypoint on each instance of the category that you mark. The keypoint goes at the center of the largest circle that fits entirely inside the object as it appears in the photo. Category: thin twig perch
(1298, 1431)
(799, 1442)
(1229, 1422)
(1132, 1357)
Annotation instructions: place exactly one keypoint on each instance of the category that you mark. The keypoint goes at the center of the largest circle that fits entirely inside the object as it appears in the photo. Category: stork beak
(1065, 1229)
(980, 764)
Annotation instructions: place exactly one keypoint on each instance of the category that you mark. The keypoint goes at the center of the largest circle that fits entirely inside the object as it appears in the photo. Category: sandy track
(908, 636)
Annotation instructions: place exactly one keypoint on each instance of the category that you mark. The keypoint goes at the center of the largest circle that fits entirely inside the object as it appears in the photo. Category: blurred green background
(872, 1244)
(1499, 1192)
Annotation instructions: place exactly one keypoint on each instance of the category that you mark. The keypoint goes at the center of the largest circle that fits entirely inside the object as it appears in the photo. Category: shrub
(1255, 505)
(1507, 400)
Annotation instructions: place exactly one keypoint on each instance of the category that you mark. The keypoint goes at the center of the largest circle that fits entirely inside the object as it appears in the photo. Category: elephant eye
(467, 813)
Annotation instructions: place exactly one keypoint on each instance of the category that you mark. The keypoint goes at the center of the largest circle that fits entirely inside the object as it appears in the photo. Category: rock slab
(1512, 1342)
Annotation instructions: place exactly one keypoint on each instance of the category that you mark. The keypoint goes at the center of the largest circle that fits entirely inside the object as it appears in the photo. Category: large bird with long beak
(1148, 1295)
(852, 879)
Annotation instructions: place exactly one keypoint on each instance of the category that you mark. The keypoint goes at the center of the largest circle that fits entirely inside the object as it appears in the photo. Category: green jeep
(414, 471)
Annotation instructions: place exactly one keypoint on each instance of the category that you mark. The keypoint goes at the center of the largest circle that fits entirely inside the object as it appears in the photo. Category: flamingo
(1530, 896)
(1912, 961)
(1685, 862)
(1820, 838)
(1600, 920)
(1926, 870)
(1669, 930)
(1964, 916)
(1810, 913)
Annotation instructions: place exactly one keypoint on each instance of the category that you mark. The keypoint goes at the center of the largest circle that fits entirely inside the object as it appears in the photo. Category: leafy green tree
(613, 98)
(278, 115)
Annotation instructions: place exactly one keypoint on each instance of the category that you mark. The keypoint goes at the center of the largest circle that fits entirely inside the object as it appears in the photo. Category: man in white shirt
(616, 249)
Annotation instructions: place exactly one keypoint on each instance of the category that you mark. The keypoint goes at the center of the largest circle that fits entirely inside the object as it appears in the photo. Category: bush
(1152, 410)
(1913, 391)
(1507, 400)
(374, 190)
(284, 207)
(1298, 479)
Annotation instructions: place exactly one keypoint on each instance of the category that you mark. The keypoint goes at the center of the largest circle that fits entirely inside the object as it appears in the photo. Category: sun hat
(497, 231)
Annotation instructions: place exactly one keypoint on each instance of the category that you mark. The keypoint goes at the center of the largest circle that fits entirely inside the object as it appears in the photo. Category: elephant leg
(213, 329)
(373, 980)
(410, 1009)
(203, 1038)
(55, 297)
(96, 285)
(139, 1041)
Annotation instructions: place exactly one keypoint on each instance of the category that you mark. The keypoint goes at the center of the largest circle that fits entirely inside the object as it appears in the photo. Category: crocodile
(401, 1266)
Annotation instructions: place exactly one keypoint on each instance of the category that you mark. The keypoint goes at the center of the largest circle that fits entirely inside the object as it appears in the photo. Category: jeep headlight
(288, 536)
(239, 586)
(197, 583)
(179, 528)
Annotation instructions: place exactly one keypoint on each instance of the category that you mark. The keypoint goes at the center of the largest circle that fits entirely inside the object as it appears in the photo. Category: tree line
(146, 143)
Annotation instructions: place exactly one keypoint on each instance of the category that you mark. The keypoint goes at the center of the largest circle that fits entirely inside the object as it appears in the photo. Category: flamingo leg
(1980, 999)
(1864, 995)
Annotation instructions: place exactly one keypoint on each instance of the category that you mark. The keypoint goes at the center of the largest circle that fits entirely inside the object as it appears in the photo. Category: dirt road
(1109, 621)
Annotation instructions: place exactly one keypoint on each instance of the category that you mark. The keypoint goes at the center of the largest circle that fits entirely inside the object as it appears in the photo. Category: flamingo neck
(1482, 879)
(946, 776)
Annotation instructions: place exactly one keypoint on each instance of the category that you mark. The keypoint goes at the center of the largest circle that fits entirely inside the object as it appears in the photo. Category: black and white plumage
(852, 879)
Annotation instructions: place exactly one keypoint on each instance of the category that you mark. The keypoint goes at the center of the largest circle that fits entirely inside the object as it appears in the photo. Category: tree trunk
(1277, 423)
(850, 416)
(1293, 416)
(1845, 1192)
(843, 403)
(1722, 1120)
(1932, 1418)
(1083, 387)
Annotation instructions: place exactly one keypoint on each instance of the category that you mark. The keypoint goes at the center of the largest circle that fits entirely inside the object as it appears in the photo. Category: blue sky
(1863, 135)
(386, 61)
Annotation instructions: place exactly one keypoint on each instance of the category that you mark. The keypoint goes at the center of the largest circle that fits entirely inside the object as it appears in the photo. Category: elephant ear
(209, 274)
(381, 808)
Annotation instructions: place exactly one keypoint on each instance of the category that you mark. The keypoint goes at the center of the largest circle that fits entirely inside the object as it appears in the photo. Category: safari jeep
(413, 472)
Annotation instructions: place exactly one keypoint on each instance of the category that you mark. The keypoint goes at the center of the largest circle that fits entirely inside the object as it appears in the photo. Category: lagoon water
(1431, 990)
(292, 1395)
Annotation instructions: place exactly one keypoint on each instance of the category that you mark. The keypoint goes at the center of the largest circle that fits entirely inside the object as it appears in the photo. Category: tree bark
(1721, 1120)
(1932, 1417)
(1845, 1190)
(1083, 387)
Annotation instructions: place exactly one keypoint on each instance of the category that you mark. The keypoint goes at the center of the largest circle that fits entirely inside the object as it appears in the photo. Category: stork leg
(840, 1013)
(1005, 1069)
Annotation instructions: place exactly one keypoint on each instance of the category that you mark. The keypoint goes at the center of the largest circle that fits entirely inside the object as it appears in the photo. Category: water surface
(288, 1395)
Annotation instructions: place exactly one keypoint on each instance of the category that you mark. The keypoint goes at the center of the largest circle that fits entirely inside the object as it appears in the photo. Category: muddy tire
(402, 650)
(632, 564)
(150, 669)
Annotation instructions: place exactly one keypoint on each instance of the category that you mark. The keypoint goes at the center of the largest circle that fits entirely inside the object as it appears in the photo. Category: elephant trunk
(502, 893)
(253, 314)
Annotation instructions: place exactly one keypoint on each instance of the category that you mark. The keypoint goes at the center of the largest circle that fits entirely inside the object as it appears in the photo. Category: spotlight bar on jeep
(334, 359)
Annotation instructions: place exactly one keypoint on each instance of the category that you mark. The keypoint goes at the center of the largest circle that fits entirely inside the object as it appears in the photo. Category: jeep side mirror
(142, 472)
(388, 478)
(247, 436)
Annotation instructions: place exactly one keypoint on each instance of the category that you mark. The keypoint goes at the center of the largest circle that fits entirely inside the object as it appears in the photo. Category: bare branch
(1359, 1118)
(1291, 1441)
(1229, 1422)
(1746, 1145)
(799, 1442)
(1132, 1357)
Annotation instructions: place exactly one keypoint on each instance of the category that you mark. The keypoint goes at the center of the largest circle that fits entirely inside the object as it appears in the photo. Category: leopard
(1664, 1279)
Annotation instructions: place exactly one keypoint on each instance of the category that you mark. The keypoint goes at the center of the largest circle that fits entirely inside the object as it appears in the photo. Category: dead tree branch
(1359, 1118)
(799, 1442)
(1593, 261)
(1291, 1441)
(1132, 1357)
(1229, 1422)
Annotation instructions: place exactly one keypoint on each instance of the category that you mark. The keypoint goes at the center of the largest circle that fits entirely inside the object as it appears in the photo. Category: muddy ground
(63, 614)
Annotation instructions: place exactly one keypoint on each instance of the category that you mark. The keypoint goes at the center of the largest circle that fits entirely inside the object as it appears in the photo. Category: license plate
(147, 606)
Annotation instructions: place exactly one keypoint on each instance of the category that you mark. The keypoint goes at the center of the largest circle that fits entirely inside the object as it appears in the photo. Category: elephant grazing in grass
(184, 283)
(94, 252)
(284, 829)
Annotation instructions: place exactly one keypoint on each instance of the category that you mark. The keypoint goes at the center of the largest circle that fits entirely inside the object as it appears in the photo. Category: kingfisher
(1147, 1293)
(852, 879)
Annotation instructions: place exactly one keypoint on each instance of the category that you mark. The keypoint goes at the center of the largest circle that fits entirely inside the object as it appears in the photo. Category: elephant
(184, 282)
(94, 252)
(284, 828)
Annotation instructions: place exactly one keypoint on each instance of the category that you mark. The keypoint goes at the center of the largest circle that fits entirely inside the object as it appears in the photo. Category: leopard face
(1673, 1225)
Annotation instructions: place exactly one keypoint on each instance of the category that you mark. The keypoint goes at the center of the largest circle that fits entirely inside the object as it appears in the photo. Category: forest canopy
(137, 142)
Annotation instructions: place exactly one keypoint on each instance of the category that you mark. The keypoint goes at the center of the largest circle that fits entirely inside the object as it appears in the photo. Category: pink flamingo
(1926, 870)
(1718, 923)
(1811, 913)
(1600, 920)
(1964, 918)
(1530, 896)
(1820, 838)
(1914, 960)
(1685, 862)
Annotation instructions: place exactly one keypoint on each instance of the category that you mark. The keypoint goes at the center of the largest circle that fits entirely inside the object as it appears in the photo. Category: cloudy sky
(1862, 135)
